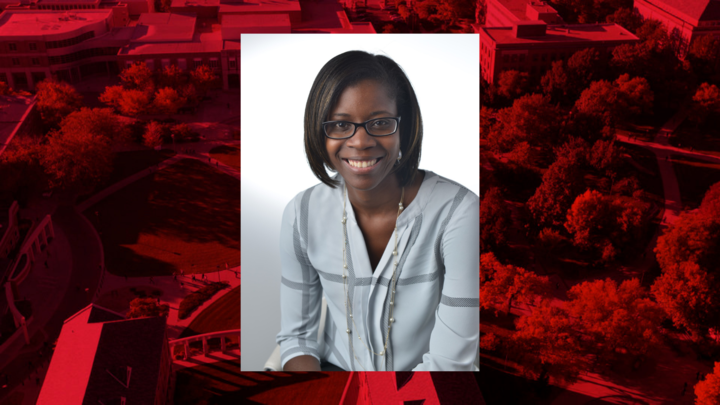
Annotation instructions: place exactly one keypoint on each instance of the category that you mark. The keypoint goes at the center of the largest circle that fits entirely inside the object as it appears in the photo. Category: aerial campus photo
(120, 200)
(600, 210)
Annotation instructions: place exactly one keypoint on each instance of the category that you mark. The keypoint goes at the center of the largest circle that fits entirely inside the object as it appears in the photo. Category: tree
(172, 76)
(604, 155)
(626, 17)
(146, 307)
(78, 159)
(495, 220)
(500, 284)
(512, 84)
(598, 100)
(634, 59)
(604, 224)
(708, 390)
(549, 345)
(634, 96)
(706, 102)
(560, 185)
(615, 316)
(112, 96)
(100, 121)
(531, 118)
(555, 82)
(133, 102)
(203, 78)
(183, 133)
(153, 135)
(138, 77)
(704, 55)
(689, 287)
(168, 101)
(21, 168)
(55, 100)
(710, 205)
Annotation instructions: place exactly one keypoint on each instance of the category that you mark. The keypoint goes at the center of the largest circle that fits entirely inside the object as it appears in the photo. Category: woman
(393, 249)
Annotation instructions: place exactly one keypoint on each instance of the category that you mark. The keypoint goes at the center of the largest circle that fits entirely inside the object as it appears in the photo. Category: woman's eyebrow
(372, 114)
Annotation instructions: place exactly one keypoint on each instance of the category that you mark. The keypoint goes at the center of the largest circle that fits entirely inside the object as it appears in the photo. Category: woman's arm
(302, 363)
(300, 289)
(454, 340)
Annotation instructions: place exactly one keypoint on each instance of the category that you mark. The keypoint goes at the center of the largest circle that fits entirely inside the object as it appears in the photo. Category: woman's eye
(379, 123)
(341, 125)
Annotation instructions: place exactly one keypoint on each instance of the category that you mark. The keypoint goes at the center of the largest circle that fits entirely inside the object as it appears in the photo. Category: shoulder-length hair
(347, 70)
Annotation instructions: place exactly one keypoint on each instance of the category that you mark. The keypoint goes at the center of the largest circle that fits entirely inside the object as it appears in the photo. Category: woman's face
(364, 101)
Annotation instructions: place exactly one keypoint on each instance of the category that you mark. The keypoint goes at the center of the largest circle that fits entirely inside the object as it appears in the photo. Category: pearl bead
(344, 220)
(344, 275)
(345, 266)
(392, 303)
(347, 330)
(392, 319)
(350, 315)
(395, 252)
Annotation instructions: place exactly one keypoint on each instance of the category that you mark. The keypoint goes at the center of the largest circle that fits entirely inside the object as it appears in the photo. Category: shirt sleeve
(300, 291)
(455, 338)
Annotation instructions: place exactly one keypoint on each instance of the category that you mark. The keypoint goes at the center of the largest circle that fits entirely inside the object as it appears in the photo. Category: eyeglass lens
(343, 129)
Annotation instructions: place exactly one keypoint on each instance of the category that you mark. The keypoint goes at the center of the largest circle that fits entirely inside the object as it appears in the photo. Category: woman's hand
(302, 363)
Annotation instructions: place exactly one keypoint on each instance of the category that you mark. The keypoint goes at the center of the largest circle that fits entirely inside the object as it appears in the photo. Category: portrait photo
(359, 202)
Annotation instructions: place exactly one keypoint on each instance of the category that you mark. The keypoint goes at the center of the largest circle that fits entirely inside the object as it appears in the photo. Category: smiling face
(364, 161)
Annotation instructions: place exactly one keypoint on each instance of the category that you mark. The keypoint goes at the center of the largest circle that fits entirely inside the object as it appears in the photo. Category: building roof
(235, 24)
(519, 7)
(690, 10)
(67, 1)
(206, 42)
(43, 22)
(195, 3)
(164, 27)
(578, 33)
(95, 343)
(258, 6)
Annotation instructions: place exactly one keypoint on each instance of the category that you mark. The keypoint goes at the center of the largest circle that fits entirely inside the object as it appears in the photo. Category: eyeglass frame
(363, 124)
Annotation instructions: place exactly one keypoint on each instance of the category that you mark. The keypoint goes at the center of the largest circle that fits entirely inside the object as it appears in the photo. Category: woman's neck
(382, 199)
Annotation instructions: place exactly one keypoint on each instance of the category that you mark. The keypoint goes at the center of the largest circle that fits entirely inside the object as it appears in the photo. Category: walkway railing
(204, 338)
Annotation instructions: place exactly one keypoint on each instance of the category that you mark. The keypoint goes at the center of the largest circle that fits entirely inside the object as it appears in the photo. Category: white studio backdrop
(277, 71)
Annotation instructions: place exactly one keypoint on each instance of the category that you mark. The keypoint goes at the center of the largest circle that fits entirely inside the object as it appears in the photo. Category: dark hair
(347, 70)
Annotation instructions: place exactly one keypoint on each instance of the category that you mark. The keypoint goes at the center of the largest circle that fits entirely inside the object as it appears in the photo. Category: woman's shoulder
(446, 190)
(314, 197)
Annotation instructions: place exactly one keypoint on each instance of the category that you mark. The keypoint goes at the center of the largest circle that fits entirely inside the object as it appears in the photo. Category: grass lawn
(227, 154)
(223, 383)
(694, 177)
(223, 314)
(186, 216)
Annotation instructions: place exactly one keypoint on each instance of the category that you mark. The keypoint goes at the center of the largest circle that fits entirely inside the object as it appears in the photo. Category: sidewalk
(173, 293)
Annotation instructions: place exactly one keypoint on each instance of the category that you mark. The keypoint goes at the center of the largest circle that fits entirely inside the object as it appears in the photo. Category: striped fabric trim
(333, 349)
(294, 285)
(460, 302)
(423, 278)
(386, 306)
(304, 350)
(438, 242)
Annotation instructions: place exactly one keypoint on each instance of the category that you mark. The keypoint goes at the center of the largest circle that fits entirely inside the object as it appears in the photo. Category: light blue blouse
(436, 307)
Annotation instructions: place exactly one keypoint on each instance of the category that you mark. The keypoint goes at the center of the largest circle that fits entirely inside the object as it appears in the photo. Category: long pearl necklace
(348, 305)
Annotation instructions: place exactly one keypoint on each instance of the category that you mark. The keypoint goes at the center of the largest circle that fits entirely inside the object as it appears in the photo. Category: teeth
(362, 163)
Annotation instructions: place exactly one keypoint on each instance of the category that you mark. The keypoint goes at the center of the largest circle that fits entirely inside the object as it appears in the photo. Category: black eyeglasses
(375, 127)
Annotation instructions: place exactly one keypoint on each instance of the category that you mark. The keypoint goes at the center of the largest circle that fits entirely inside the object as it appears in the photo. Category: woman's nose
(361, 139)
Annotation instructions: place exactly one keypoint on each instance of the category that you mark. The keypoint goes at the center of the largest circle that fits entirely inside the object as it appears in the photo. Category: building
(684, 20)
(36, 44)
(532, 46)
(503, 13)
(102, 358)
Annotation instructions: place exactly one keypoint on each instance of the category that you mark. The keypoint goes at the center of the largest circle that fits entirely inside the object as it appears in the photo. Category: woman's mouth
(362, 165)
